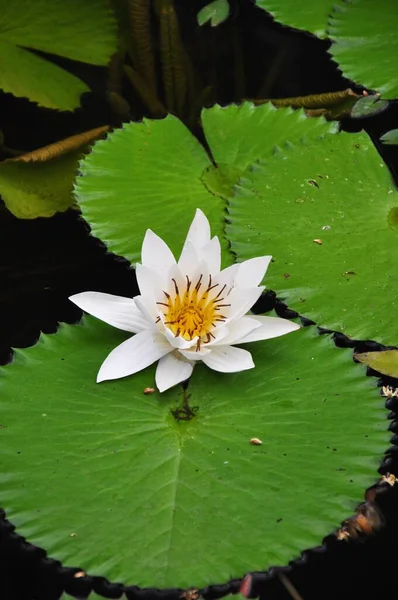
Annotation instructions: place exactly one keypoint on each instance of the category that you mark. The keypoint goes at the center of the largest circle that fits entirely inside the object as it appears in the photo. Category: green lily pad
(306, 14)
(368, 106)
(155, 174)
(133, 181)
(366, 43)
(390, 138)
(40, 189)
(327, 212)
(60, 27)
(216, 12)
(385, 362)
(104, 478)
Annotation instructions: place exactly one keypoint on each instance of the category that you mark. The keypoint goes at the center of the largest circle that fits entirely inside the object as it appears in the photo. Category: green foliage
(366, 44)
(368, 106)
(61, 27)
(31, 190)
(390, 138)
(27, 75)
(315, 207)
(385, 362)
(123, 488)
(306, 14)
(132, 181)
(40, 183)
(364, 35)
(216, 12)
(288, 181)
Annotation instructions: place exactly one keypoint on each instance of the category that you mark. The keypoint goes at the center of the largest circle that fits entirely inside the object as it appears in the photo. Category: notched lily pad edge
(76, 582)
(79, 584)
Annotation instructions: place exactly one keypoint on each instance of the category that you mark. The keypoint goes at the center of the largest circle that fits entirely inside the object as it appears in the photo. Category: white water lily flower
(187, 311)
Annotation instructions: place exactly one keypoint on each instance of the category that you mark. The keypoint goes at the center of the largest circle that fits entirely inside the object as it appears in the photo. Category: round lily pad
(105, 478)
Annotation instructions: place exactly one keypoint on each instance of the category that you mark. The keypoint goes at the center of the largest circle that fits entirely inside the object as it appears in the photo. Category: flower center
(194, 311)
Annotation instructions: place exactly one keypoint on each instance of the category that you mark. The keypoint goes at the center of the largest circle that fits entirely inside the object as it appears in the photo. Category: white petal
(133, 355)
(220, 333)
(148, 309)
(241, 300)
(148, 281)
(199, 231)
(270, 327)
(251, 272)
(228, 359)
(179, 279)
(171, 371)
(238, 329)
(211, 255)
(156, 254)
(117, 311)
(226, 278)
(188, 261)
(177, 341)
(193, 354)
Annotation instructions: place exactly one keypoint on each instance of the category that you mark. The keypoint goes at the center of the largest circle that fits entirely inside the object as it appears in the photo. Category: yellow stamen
(191, 314)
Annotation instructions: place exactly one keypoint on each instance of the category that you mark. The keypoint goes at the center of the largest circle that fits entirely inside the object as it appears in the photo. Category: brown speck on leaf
(318, 241)
(313, 182)
(286, 275)
(79, 574)
(255, 442)
(73, 534)
(389, 478)
(349, 273)
(149, 390)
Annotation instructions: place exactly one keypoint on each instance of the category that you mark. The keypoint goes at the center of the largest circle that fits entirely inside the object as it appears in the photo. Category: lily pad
(216, 12)
(134, 180)
(306, 14)
(327, 211)
(365, 43)
(40, 189)
(124, 488)
(59, 27)
(390, 138)
(385, 362)
(40, 183)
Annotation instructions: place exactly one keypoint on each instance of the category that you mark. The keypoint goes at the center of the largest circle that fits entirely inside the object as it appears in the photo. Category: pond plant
(177, 439)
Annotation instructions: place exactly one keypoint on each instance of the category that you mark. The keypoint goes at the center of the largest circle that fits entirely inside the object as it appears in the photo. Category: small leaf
(385, 362)
(368, 106)
(216, 12)
(390, 138)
